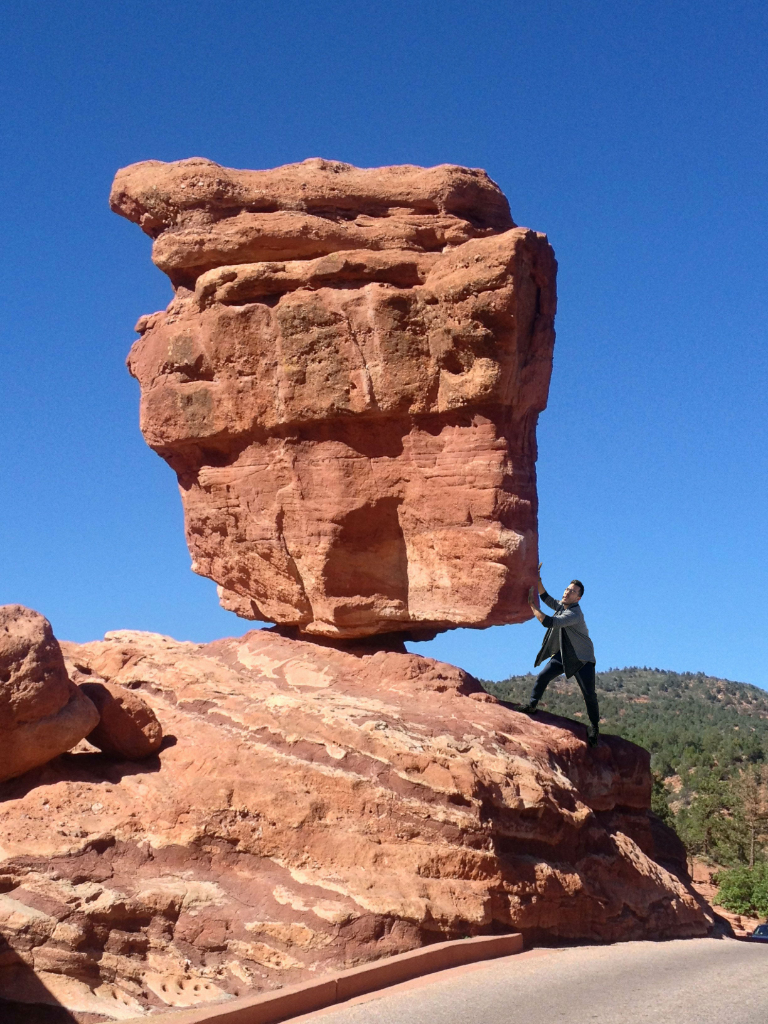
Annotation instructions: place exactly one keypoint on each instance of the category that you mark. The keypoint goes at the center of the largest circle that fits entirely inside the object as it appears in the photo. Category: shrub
(659, 802)
(744, 890)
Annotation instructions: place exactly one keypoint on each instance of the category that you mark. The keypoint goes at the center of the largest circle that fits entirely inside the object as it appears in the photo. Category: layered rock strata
(347, 385)
(42, 713)
(312, 808)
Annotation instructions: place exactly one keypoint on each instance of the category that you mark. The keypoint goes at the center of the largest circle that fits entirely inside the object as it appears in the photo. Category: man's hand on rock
(533, 605)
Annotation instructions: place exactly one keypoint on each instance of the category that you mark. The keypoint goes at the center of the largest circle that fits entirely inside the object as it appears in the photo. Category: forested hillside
(709, 744)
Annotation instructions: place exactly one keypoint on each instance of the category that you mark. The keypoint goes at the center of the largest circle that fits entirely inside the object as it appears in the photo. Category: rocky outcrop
(128, 727)
(347, 385)
(42, 713)
(312, 808)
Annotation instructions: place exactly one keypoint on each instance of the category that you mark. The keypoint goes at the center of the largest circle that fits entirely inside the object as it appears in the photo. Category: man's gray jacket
(567, 636)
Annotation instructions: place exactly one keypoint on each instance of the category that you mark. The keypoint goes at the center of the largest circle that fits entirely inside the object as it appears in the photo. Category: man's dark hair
(580, 585)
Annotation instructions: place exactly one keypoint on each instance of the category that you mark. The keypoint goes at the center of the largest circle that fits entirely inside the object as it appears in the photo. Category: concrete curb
(272, 1007)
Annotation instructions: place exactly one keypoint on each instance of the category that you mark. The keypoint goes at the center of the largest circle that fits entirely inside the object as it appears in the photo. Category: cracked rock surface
(312, 808)
(347, 384)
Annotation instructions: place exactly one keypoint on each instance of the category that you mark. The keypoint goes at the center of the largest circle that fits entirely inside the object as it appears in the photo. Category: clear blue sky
(633, 133)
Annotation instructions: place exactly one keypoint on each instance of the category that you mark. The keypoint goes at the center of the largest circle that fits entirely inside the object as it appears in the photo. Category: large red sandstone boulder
(347, 385)
(42, 713)
(315, 808)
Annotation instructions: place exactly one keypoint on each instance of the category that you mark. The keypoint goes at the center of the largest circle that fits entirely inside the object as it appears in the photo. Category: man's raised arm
(550, 602)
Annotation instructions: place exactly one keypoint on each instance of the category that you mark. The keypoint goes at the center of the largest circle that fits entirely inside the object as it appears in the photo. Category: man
(569, 649)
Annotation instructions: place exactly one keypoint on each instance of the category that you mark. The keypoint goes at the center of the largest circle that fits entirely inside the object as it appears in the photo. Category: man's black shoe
(529, 709)
(593, 735)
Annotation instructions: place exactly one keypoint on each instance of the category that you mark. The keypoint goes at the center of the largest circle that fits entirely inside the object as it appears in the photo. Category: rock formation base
(312, 808)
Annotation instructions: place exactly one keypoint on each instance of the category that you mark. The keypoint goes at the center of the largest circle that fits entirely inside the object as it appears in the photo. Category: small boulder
(42, 713)
(128, 726)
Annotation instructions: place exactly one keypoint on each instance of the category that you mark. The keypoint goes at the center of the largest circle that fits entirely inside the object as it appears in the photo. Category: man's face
(571, 594)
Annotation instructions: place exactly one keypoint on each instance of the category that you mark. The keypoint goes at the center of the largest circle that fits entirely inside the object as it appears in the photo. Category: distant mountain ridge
(685, 719)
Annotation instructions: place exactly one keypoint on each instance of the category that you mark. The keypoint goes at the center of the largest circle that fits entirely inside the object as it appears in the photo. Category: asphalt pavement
(693, 981)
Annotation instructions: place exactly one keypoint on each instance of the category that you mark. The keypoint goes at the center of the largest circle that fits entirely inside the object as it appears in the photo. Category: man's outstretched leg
(585, 677)
(551, 670)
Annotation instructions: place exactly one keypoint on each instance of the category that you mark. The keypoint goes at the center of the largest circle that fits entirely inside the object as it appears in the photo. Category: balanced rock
(42, 713)
(347, 385)
(128, 726)
(319, 808)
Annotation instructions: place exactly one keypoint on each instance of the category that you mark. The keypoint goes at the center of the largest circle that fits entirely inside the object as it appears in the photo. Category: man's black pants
(585, 677)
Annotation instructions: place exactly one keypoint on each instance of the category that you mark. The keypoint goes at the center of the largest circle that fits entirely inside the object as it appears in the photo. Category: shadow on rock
(34, 1003)
(82, 766)
(577, 729)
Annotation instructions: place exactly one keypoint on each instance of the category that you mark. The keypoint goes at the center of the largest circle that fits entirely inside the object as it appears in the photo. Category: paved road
(694, 981)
